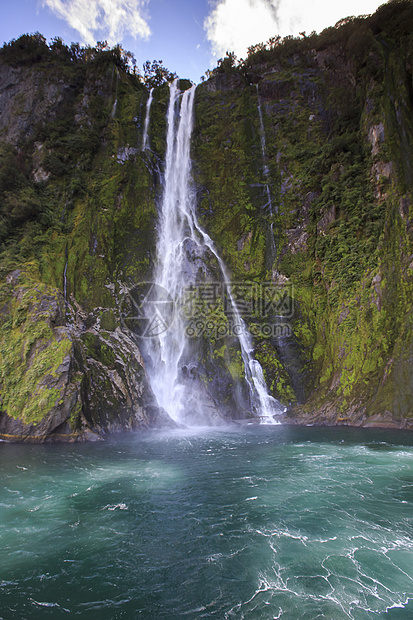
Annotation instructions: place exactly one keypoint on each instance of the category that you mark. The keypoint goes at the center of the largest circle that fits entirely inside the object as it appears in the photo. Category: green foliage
(13, 169)
(89, 225)
(54, 163)
(32, 49)
(230, 205)
(30, 359)
(19, 200)
(351, 245)
(155, 74)
(227, 64)
(356, 34)
(26, 50)
(22, 206)
(320, 164)
(394, 18)
(398, 107)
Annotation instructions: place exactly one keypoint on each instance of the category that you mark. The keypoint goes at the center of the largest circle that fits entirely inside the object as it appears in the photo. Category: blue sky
(188, 35)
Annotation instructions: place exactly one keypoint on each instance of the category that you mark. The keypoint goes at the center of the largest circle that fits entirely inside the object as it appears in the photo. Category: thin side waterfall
(115, 104)
(146, 125)
(263, 405)
(179, 230)
(266, 171)
(65, 276)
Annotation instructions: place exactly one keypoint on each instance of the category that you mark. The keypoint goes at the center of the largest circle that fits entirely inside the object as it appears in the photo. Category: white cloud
(234, 25)
(103, 19)
(299, 15)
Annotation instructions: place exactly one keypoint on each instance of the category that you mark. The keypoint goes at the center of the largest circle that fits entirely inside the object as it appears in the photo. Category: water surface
(263, 522)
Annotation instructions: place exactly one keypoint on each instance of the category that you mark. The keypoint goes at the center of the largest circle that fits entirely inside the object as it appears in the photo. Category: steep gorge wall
(78, 217)
(339, 135)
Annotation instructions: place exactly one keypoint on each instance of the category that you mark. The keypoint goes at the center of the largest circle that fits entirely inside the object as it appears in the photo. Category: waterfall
(266, 171)
(179, 233)
(115, 104)
(146, 125)
(65, 276)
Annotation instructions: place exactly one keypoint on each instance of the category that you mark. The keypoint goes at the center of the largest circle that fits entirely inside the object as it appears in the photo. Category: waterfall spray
(178, 230)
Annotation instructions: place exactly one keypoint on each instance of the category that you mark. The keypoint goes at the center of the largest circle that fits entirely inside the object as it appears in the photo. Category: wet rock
(26, 99)
(125, 153)
(75, 383)
(326, 220)
(376, 138)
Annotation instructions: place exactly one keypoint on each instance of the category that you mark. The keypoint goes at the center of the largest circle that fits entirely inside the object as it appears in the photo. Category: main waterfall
(185, 252)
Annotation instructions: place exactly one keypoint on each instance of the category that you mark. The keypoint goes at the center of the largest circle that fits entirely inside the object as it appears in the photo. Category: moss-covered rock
(318, 205)
(60, 380)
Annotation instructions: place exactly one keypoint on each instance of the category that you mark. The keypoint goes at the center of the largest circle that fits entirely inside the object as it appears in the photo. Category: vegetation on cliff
(337, 110)
(78, 209)
(76, 219)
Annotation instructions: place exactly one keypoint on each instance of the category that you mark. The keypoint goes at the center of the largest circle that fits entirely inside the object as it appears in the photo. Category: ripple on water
(258, 523)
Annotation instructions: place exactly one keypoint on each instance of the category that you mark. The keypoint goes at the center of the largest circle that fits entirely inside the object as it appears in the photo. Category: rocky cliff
(77, 218)
(337, 116)
(302, 158)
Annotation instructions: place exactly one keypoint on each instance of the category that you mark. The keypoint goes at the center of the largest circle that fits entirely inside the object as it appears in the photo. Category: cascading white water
(146, 125)
(115, 104)
(65, 276)
(264, 405)
(175, 218)
(266, 177)
(179, 227)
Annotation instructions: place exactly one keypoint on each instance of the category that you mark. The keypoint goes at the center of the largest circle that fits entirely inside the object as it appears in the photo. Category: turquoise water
(267, 522)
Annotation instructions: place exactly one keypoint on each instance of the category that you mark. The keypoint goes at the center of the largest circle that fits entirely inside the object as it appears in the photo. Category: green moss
(277, 379)
(235, 365)
(75, 416)
(108, 321)
(225, 137)
(31, 356)
(97, 349)
(342, 238)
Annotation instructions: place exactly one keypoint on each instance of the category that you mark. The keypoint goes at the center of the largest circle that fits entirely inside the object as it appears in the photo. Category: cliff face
(78, 217)
(337, 115)
(316, 199)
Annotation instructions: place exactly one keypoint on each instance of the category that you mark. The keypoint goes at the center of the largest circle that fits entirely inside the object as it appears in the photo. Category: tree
(27, 49)
(155, 74)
